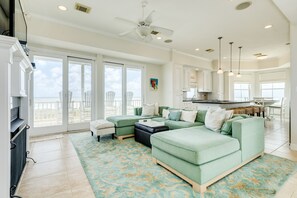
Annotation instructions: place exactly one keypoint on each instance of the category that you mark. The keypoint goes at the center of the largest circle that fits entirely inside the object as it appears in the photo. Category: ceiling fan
(144, 28)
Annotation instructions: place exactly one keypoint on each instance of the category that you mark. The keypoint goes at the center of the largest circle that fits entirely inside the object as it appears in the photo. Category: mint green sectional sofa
(124, 125)
(201, 156)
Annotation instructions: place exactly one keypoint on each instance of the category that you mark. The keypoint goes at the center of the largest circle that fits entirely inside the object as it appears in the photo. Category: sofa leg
(112, 136)
(199, 188)
(98, 138)
(92, 133)
(155, 161)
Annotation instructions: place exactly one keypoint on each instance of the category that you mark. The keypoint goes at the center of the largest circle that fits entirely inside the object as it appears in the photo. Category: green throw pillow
(161, 110)
(174, 115)
(227, 126)
(201, 116)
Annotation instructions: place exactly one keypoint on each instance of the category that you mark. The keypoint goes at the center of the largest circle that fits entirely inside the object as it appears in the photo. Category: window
(241, 91)
(274, 90)
(191, 93)
(123, 89)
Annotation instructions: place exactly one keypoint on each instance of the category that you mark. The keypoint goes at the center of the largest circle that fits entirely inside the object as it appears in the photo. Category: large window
(274, 90)
(123, 89)
(241, 91)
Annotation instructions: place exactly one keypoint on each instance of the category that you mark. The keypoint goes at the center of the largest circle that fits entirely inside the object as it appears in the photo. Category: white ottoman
(102, 127)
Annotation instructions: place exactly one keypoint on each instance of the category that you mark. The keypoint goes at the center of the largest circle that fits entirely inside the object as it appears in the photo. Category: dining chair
(281, 107)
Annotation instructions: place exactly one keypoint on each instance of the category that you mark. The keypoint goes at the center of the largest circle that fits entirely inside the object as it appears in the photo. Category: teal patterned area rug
(125, 169)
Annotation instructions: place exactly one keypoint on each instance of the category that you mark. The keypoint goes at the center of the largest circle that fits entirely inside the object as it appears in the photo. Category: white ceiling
(196, 23)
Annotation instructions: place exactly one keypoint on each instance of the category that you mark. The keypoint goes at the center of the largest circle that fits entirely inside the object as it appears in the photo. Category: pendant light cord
(231, 56)
(220, 58)
(239, 59)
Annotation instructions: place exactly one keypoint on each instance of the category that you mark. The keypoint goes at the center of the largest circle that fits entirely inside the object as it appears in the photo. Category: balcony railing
(50, 113)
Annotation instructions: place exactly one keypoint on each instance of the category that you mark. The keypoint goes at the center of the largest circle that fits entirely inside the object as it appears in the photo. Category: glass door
(79, 93)
(47, 100)
(62, 97)
(123, 89)
(113, 89)
(133, 89)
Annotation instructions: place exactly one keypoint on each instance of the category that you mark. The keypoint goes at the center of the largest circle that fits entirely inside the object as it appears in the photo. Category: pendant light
(231, 72)
(220, 71)
(238, 74)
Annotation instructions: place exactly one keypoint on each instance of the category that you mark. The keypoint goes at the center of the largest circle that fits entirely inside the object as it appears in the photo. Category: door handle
(13, 145)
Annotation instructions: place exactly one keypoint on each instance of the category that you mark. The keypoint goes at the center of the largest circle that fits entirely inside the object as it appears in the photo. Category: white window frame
(240, 83)
(272, 89)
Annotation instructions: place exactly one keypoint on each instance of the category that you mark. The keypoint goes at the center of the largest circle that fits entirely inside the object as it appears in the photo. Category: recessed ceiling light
(197, 49)
(268, 26)
(159, 37)
(63, 8)
(243, 5)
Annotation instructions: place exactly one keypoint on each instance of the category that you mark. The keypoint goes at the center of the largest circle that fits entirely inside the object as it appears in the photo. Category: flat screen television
(12, 20)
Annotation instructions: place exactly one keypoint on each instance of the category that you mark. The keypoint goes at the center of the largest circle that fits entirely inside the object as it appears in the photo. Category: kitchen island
(225, 104)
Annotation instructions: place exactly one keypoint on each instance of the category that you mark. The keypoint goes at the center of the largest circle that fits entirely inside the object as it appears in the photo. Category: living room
(97, 64)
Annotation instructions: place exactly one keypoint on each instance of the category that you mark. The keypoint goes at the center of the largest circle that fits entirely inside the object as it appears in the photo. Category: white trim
(293, 147)
(10, 49)
(191, 55)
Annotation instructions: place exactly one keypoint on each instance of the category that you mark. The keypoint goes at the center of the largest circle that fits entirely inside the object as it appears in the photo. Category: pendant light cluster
(220, 70)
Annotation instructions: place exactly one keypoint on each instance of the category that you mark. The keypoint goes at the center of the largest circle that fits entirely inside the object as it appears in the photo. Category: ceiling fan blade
(127, 21)
(164, 31)
(126, 32)
(148, 20)
(139, 34)
(148, 38)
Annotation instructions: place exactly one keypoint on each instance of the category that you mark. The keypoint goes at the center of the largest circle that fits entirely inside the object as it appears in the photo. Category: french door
(79, 94)
(62, 96)
(123, 88)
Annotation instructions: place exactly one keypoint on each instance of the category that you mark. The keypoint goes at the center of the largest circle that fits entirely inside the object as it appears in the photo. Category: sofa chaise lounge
(202, 157)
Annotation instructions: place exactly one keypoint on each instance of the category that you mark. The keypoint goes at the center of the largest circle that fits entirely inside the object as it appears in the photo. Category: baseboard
(293, 147)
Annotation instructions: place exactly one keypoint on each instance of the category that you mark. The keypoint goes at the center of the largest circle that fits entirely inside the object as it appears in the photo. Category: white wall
(167, 94)
(153, 71)
(294, 85)
(289, 7)
(50, 33)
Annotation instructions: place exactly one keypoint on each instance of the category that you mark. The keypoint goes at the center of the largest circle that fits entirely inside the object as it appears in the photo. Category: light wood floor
(59, 174)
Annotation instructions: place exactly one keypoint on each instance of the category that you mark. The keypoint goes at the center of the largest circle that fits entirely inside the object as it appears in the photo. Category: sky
(48, 79)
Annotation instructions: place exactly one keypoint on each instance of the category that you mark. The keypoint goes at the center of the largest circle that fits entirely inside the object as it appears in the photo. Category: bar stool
(249, 111)
(257, 110)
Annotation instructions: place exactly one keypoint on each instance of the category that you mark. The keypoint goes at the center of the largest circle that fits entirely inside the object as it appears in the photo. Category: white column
(99, 87)
(293, 100)
(5, 67)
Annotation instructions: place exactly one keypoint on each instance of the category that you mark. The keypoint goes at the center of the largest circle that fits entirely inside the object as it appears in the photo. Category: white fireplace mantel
(10, 52)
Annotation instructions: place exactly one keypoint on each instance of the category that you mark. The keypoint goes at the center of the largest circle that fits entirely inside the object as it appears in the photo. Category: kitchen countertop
(220, 101)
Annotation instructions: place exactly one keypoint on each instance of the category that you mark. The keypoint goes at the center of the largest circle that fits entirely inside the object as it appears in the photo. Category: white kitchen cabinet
(189, 78)
(204, 81)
